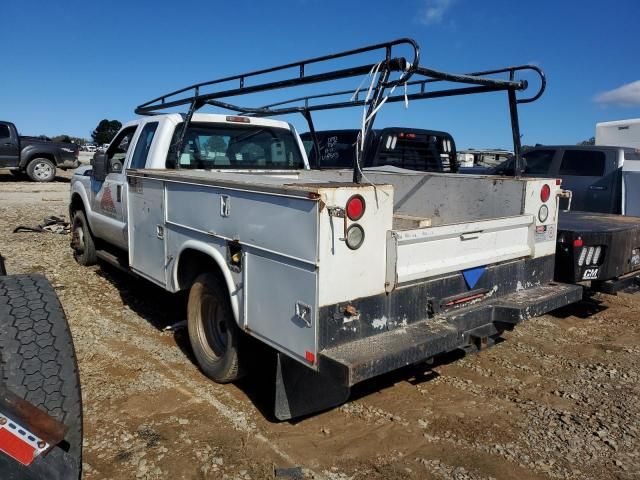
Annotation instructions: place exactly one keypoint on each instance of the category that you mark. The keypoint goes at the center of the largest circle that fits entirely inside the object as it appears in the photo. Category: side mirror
(100, 163)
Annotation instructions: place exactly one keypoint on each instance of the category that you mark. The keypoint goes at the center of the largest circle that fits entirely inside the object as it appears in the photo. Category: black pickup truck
(411, 148)
(37, 157)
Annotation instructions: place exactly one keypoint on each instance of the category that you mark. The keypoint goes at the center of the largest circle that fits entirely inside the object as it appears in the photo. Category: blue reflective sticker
(472, 275)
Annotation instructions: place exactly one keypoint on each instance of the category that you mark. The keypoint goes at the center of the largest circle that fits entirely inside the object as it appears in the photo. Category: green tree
(591, 141)
(105, 131)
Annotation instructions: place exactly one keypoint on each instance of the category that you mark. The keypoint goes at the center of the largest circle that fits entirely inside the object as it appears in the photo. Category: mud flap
(300, 391)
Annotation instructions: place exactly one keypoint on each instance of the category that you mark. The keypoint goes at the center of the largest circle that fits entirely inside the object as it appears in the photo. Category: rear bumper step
(359, 360)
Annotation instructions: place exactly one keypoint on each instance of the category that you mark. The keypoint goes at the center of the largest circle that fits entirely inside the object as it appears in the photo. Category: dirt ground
(558, 398)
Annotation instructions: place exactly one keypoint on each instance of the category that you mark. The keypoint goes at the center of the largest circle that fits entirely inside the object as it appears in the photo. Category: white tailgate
(430, 251)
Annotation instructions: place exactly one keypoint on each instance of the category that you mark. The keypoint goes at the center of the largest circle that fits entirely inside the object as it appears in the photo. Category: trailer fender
(219, 259)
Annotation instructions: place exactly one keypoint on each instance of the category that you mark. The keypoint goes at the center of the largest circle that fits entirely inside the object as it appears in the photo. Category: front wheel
(41, 170)
(213, 333)
(82, 243)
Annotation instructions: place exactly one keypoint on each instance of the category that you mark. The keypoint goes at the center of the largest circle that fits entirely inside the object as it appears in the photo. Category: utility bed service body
(348, 280)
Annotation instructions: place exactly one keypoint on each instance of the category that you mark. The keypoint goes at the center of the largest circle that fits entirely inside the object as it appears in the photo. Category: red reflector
(238, 119)
(311, 358)
(411, 135)
(558, 181)
(15, 447)
(545, 193)
(578, 242)
(355, 207)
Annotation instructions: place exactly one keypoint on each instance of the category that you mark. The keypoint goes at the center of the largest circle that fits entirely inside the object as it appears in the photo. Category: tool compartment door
(146, 226)
(426, 252)
(280, 303)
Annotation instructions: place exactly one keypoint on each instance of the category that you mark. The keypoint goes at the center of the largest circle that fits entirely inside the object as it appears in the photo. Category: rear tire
(41, 170)
(82, 242)
(37, 358)
(214, 335)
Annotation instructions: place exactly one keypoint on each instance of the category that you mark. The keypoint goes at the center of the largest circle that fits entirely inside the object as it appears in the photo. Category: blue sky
(68, 64)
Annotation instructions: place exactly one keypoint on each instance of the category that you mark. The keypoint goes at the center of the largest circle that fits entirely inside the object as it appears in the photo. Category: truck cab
(218, 142)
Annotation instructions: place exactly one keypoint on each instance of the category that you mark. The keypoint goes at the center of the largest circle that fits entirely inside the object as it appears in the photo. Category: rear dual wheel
(213, 333)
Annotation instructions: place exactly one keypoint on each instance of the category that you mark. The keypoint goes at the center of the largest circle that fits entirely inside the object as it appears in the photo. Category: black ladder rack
(411, 76)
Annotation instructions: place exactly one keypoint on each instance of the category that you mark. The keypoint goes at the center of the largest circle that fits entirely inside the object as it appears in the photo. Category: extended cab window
(222, 146)
(582, 163)
(143, 145)
(4, 131)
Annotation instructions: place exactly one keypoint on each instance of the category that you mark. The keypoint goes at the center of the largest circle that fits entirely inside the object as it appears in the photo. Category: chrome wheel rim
(42, 170)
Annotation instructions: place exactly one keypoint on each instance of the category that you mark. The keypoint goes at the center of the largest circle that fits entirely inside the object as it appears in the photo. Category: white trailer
(620, 133)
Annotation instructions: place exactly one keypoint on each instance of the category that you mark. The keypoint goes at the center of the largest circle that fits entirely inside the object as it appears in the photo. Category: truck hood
(81, 170)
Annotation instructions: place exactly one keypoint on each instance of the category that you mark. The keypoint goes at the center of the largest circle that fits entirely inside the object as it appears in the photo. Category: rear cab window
(416, 151)
(337, 150)
(538, 162)
(211, 146)
(584, 163)
(632, 154)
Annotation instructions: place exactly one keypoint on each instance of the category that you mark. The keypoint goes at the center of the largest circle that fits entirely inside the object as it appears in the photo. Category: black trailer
(599, 248)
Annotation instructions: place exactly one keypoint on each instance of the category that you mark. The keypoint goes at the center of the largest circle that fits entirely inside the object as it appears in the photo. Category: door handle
(8, 144)
(597, 187)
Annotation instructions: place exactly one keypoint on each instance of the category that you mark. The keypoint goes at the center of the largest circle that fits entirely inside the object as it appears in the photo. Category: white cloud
(628, 95)
(434, 10)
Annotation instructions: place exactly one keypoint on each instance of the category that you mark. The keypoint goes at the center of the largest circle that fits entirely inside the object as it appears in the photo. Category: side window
(144, 144)
(4, 131)
(583, 163)
(538, 161)
(117, 151)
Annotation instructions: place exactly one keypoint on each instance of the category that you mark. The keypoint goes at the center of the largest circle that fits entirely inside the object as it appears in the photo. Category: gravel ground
(558, 398)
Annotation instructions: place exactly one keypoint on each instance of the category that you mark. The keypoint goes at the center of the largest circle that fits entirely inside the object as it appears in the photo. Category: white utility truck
(346, 279)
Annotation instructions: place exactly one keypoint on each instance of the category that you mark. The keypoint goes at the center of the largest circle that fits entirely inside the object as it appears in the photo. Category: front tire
(82, 243)
(41, 170)
(213, 333)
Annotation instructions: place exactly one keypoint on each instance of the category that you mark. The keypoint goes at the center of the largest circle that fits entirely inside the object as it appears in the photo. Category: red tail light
(355, 207)
(545, 193)
(578, 242)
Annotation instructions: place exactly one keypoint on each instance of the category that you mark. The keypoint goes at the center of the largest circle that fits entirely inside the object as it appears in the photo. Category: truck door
(9, 147)
(107, 197)
(589, 176)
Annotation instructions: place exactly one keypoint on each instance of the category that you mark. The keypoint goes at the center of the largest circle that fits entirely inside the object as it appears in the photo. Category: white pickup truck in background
(346, 281)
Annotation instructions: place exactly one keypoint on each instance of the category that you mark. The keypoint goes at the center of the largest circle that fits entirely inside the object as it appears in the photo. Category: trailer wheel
(82, 243)
(41, 170)
(37, 358)
(214, 335)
